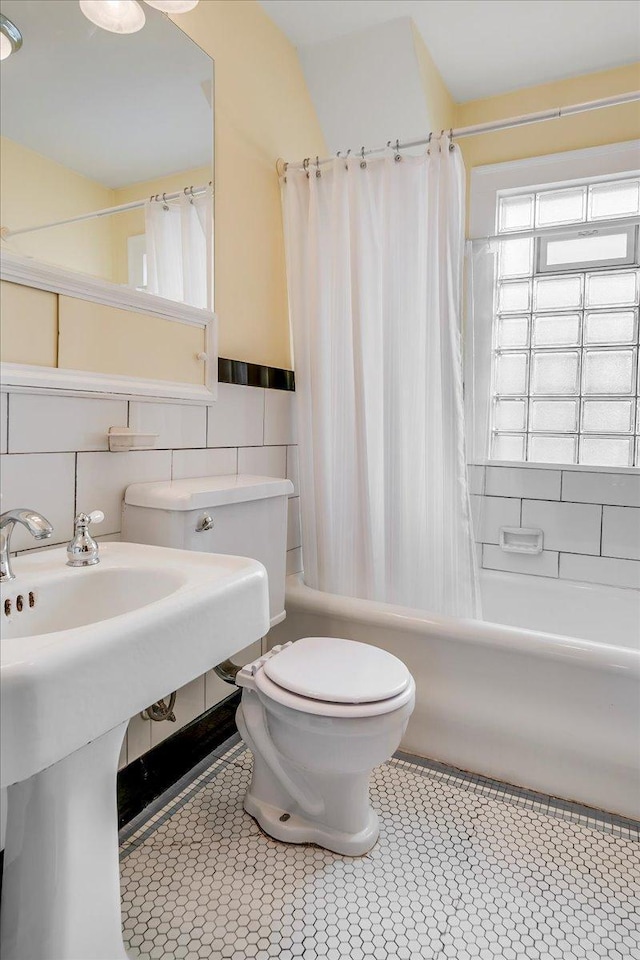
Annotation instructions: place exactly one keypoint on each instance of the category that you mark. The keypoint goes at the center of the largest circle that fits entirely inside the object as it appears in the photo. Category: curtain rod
(491, 127)
(108, 211)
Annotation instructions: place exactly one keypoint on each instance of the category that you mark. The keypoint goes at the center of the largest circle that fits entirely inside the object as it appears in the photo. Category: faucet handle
(83, 550)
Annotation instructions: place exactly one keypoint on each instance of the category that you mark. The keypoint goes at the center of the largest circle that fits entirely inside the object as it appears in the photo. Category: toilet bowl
(318, 715)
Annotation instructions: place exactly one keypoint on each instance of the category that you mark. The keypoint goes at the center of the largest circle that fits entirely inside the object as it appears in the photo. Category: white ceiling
(485, 47)
(117, 109)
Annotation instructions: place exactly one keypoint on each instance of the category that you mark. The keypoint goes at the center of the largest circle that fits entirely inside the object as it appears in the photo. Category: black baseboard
(143, 780)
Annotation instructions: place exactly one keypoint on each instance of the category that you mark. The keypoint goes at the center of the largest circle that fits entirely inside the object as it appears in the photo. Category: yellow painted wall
(263, 111)
(441, 107)
(592, 129)
(35, 190)
(29, 325)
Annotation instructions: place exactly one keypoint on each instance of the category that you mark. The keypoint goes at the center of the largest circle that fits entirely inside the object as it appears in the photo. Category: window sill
(581, 468)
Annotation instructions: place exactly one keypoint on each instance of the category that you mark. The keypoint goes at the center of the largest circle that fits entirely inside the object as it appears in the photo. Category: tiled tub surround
(56, 460)
(590, 520)
(464, 868)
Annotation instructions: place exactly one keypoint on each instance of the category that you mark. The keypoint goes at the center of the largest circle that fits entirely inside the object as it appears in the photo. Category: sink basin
(82, 651)
(101, 643)
(66, 600)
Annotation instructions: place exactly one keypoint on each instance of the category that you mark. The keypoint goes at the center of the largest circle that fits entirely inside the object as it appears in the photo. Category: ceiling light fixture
(10, 38)
(116, 16)
(173, 6)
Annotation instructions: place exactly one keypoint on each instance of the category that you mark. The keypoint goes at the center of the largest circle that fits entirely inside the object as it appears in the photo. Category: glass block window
(565, 344)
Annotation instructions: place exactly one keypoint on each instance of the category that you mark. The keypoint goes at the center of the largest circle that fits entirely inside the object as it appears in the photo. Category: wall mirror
(93, 121)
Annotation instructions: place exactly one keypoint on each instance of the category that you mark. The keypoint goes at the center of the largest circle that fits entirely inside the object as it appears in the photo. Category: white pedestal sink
(88, 649)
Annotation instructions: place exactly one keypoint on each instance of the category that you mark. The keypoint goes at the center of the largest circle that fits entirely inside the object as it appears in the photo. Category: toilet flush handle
(205, 522)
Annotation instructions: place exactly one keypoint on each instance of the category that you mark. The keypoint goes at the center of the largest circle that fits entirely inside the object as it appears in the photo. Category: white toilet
(318, 715)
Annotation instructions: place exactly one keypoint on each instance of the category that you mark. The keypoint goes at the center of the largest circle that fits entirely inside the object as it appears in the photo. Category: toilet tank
(238, 514)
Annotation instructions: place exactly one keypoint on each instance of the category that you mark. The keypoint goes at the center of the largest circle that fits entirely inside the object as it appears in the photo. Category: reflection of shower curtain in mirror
(179, 240)
(374, 263)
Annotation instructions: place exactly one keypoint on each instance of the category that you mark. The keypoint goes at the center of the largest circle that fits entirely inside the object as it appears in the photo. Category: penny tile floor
(464, 868)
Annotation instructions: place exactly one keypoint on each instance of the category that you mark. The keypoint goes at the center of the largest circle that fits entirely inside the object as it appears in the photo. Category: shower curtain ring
(451, 143)
(363, 162)
(397, 156)
(305, 166)
(318, 171)
(165, 205)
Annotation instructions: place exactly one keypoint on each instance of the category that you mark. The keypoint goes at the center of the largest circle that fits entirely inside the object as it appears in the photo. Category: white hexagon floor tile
(464, 868)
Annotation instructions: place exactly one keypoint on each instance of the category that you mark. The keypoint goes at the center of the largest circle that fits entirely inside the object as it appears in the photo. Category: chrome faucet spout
(37, 525)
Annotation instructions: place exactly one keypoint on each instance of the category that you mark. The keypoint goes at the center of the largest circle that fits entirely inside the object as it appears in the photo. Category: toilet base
(297, 829)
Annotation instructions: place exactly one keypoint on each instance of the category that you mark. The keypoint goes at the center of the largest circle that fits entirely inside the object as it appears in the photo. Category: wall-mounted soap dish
(521, 540)
(122, 439)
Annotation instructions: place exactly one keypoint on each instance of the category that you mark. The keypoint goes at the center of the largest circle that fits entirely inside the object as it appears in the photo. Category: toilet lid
(338, 671)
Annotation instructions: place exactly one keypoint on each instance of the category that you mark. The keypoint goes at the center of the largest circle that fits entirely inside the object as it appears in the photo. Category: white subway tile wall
(590, 521)
(58, 463)
(204, 463)
(176, 424)
(237, 419)
(294, 535)
(279, 421)
(535, 484)
(603, 570)
(46, 483)
(543, 564)
(492, 513)
(475, 476)
(102, 478)
(62, 423)
(612, 488)
(263, 461)
(621, 532)
(571, 527)
(293, 469)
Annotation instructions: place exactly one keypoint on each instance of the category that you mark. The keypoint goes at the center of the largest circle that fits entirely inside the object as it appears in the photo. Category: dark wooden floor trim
(143, 780)
(255, 375)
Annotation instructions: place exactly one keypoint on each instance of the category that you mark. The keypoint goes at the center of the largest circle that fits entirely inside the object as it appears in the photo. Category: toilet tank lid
(202, 492)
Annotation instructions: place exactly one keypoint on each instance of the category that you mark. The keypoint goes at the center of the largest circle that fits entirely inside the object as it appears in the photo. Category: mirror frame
(18, 377)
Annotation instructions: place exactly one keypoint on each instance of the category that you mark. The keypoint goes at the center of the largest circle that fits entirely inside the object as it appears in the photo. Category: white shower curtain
(374, 262)
(179, 245)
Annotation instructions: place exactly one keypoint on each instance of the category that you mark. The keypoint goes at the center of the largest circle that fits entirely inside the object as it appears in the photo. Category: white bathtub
(543, 693)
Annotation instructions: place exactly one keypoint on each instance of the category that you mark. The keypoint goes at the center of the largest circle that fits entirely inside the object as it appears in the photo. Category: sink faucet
(36, 524)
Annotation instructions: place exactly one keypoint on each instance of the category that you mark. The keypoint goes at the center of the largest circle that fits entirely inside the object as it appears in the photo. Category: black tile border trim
(255, 375)
(145, 779)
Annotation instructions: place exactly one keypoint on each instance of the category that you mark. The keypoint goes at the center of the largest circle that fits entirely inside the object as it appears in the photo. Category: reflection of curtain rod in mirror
(108, 211)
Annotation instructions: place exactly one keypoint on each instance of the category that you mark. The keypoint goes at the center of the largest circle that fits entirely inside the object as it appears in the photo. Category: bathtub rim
(586, 653)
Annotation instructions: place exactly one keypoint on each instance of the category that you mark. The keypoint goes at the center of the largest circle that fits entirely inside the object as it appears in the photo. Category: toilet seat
(323, 708)
(338, 671)
(331, 677)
